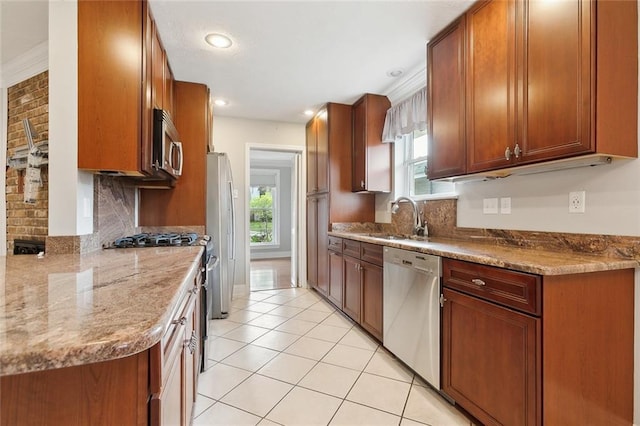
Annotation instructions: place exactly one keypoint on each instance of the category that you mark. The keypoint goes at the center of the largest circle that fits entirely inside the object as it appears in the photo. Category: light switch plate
(490, 206)
(505, 205)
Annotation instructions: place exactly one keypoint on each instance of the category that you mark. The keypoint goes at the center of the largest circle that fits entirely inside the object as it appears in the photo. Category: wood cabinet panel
(490, 360)
(513, 289)
(371, 169)
(351, 303)
(109, 120)
(491, 84)
(185, 204)
(371, 315)
(588, 348)
(312, 241)
(110, 392)
(336, 278)
(312, 148)
(371, 253)
(558, 82)
(323, 244)
(157, 70)
(322, 151)
(446, 100)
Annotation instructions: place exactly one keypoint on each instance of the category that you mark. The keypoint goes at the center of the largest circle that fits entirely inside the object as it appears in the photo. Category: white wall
(231, 135)
(70, 190)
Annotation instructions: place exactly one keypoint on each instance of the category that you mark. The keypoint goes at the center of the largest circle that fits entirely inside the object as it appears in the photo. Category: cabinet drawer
(516, 290)
(371, 253)
(351, 248)
(335, 244)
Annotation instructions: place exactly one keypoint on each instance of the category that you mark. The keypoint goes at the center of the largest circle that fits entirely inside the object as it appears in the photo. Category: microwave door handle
(178, 147)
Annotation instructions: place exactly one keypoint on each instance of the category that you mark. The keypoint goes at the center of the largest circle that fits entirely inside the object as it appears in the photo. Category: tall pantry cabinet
(329, 196)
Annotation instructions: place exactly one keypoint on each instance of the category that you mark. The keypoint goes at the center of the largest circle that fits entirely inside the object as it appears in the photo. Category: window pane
(420, 146)
(261, 209)
(420, 185)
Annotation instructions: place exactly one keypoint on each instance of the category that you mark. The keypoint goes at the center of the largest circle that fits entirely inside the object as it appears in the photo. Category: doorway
(274, 215)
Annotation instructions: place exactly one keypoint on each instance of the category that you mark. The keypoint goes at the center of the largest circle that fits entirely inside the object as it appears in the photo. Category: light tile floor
(287, 357)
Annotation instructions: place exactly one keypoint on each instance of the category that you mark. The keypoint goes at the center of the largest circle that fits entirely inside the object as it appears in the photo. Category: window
(413, 169)
(263, 215)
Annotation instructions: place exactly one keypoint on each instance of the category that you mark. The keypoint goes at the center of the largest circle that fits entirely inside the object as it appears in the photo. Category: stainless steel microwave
(167, 149)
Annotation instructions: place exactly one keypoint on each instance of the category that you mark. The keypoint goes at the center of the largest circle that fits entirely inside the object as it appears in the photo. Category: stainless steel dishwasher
(411, 310)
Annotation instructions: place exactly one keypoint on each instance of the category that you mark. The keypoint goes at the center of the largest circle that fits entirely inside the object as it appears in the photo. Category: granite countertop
(542, 262)
(70, 309)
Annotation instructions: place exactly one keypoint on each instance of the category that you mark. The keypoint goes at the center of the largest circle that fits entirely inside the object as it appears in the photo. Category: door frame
(300, 243)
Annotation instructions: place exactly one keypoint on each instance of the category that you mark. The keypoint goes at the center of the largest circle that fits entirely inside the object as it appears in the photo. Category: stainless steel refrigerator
(220, 226)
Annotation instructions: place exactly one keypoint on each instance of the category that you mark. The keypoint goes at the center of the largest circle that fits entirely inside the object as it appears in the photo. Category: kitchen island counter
(535, 261)
(67, 310)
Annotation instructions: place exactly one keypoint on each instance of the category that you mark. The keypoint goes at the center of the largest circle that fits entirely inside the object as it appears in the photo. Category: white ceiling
(287, 56)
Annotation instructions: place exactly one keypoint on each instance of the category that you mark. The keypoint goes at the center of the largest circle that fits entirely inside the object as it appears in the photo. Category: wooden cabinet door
(358, 172)
(312, 241)
(312, 166)
(557, 78)
(167, 86)
(371, 315)
(189, 355)
(352, 287)
(491, 84)
(323, 243)
(446, 100)
(371, 170)
(336, 278)
(322, 151)
(491, 360)
(157, 70)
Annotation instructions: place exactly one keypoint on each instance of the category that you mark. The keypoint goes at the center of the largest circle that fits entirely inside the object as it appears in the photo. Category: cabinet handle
(477, 281)
(192, 342)
(507, 154)
(517, 151)
(361, 184)
(181, 321)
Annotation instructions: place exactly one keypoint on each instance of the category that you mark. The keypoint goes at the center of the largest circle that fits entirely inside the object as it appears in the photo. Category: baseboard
(270, 255)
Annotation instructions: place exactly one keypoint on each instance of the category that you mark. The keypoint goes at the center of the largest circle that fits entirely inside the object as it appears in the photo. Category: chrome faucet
(420, 227)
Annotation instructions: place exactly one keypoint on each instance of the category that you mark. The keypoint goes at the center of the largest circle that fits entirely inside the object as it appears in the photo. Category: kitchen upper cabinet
(543, 81)
(318, 153)
(524, 349)
(491, 83)
(446, 100)
(185, 203)
(371, 158)
(121, 78)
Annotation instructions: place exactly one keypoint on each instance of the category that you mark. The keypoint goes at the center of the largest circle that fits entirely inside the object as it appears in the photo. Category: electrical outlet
(490, 206)
(577, 201)
(505, 205)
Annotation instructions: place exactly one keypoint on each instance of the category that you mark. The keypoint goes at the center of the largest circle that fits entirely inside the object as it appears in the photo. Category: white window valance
(406, 117)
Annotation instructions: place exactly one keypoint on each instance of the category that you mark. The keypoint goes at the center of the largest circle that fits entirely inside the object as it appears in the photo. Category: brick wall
(28, 99)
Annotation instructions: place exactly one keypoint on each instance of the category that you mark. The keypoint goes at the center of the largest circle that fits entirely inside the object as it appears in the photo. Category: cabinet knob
(517, 151)
(361, 184)
(507, 154)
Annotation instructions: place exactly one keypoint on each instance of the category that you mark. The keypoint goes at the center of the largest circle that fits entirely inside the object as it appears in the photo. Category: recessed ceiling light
(395, 72)
(218, 40)
(221, 102)
(308, 112)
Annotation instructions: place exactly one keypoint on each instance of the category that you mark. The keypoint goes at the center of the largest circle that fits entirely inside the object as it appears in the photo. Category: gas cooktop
(156, 240)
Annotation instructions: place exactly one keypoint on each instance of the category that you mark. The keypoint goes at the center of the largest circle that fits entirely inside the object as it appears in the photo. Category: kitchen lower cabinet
(352, 288)
(317, 242)
(490, 360)
(371, 314)
(336, 272)
(356, 270)
(525, 349)
(174, 365)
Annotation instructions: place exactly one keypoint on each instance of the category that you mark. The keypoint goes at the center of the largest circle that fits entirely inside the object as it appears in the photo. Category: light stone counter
(69, 309)
(542, 262)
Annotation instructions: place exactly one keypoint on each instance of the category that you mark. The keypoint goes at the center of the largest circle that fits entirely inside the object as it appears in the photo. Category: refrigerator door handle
(233, 221)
